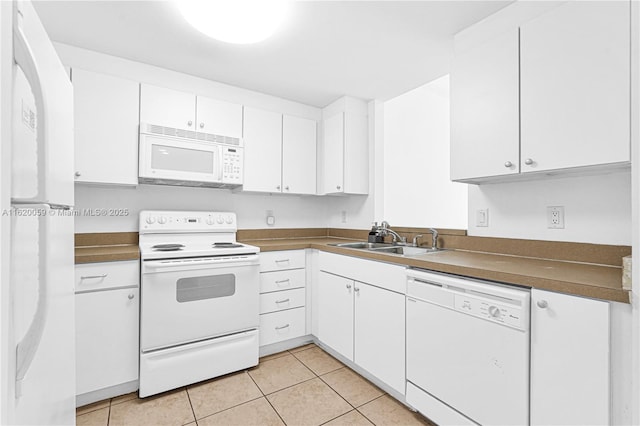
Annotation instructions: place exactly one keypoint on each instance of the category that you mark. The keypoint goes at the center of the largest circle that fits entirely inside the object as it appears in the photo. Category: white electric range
(199, 311)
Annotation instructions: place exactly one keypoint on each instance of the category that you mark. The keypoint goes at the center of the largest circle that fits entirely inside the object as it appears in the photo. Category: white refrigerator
(38, 339)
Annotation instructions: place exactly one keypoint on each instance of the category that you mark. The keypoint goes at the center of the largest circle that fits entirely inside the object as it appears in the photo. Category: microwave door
(180, 160)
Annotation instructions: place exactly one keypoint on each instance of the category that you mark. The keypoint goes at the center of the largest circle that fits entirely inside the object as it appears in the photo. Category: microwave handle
(220, 163)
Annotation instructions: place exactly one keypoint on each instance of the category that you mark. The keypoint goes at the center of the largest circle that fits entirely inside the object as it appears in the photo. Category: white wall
(289, 211)
(417, 189)
(597, 208)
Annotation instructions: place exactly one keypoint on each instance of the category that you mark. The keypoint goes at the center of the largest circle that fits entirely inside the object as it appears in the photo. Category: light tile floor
(302, 386)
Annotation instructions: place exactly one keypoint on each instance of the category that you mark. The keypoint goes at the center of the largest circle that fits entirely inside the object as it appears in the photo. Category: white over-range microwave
(171, 156)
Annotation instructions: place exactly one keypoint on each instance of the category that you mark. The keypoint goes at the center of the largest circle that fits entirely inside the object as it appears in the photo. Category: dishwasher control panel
(491, 310)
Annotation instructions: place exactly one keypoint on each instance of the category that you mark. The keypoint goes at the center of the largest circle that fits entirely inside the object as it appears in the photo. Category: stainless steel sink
(388, 248)
(363, 245)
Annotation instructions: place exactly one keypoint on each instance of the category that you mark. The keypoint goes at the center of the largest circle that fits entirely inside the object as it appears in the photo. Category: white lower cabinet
(282, 296)
(364, 322)
(107, 324)
(570, 360)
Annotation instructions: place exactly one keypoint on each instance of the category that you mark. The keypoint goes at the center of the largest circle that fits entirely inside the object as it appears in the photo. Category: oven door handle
(222, 263)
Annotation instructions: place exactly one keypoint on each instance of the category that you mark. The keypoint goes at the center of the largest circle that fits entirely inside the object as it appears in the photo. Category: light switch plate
(482, 218)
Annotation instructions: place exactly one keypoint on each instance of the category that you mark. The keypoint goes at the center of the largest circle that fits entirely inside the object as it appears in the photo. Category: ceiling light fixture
(235, 21)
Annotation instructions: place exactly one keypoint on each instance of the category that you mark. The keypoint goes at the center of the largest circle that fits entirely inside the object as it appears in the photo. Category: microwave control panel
(232, 159)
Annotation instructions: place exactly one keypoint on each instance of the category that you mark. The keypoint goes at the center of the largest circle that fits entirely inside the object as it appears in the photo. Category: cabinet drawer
(98, 276)
(280, 260)
(284, 325)
(282, 280)
(277, 301)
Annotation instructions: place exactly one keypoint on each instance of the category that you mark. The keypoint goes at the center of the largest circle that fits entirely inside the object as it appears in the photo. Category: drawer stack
(282, 296)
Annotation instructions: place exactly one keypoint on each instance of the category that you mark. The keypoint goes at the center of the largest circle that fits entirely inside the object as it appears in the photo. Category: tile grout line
(363, 414)
(267, 399)
(195, 419)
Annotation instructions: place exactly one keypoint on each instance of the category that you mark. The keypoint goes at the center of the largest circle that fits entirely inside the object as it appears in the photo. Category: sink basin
(363, 245)
(406, 250)
(388, 248)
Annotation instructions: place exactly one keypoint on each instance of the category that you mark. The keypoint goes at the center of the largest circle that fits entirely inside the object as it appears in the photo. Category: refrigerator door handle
(23, 56)
(27, 347)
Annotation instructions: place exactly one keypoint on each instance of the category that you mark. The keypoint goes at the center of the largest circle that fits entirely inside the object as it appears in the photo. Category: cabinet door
(219, 117)
(569, 360)
(298, 155)
(335, 313)
(106, 128)
(484, 110)
(333, 154)
(262, 150)
(575, 86)
(167, 107)
(106, 339)
(380, 334)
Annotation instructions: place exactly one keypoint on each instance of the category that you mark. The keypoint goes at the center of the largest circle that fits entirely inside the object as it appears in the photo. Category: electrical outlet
(482, 217)
(344, 216)
(555, 217)
(271, 219)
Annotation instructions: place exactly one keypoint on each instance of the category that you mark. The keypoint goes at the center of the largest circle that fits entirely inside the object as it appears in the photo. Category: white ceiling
(367, 49)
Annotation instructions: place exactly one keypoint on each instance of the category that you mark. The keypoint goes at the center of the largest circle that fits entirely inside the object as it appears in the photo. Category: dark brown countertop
(106, 247)
(582, 279)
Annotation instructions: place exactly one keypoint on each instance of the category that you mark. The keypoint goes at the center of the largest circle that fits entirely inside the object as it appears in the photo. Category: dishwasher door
(468, 346)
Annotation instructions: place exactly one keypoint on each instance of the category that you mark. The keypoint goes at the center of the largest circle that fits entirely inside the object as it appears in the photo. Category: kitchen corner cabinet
(106, 128)
(107, 323)
(280, 153)
(181, 110)
(345, 148)
(573, 63)
(364, 322)
(570, 360)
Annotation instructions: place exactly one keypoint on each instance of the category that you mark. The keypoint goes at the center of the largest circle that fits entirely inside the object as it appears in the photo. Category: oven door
(163, 157)
(187, 300)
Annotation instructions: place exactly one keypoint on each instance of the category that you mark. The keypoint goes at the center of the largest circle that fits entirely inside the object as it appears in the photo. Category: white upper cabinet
(280, 153)
(263, 150)
(106, 128)
(167, 107)
(181, 110)
(218, 117)
(298, 155)
(552, 93)
(575, 74)
(345, 148)
(484, 101)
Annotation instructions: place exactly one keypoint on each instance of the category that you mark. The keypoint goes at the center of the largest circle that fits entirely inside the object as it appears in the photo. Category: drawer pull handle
(282, 260)
(131, 296)
(282, 327)
(90, 277)
(288, 280)
(282, 301)
(356, 289)
(348, 286)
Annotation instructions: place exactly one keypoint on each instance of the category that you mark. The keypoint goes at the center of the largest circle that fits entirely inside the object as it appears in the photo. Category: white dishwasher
(467, 350)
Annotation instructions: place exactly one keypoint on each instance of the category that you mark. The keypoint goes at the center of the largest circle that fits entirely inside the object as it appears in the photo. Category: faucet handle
(415, 239)
(434, 236)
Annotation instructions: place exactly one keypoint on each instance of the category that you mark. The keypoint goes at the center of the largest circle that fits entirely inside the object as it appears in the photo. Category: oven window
(181, 159)
(207, 287)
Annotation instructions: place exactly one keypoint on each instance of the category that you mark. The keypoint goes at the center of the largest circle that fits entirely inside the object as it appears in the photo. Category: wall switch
(271, 219)
(482, 217)
(344, 216)
(555, 217)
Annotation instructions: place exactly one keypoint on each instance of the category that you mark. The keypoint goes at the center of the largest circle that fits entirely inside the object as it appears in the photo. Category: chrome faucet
(434, 238)
(396, 238)
(415, 239)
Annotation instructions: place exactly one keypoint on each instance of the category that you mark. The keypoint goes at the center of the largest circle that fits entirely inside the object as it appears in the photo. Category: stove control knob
(220, 219)
(151, 219)
(162, 220)
(229, 219)
(494, 311)
(210, 220)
